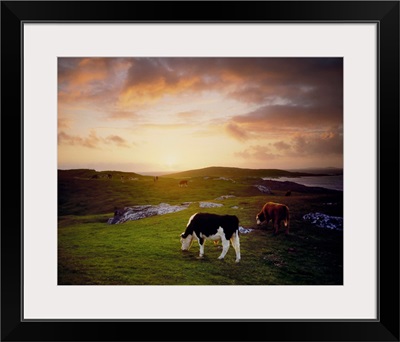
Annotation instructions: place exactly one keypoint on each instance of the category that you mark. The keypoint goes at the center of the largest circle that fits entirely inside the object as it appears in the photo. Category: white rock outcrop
(263, 189)
(224, 197)
(324, 221)
(210, 205)
(142, 211)
(244, 230)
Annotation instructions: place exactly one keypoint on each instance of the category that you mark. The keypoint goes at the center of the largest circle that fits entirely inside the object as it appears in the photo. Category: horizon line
(201, 168)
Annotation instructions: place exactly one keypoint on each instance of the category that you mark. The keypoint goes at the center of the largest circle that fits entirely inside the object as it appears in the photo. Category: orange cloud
(79, 72)
(257, 152)
(121, 114)
(311, 145)
(188, 114)
(93, 83)
(117, 140)
(281, 146)
(91, 141)
(64, 123)
(124, 83)
(147, 93)
(236, 132)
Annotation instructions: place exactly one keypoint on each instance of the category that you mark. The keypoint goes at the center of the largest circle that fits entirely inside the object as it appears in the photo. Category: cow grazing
(288, 193)
(205, 226)
(183, 183)
(277, 213)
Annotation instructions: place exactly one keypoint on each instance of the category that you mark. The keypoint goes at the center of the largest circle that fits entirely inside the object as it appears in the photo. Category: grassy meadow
(147, 251)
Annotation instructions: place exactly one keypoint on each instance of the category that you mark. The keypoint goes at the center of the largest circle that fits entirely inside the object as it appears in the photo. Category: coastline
(275, 184)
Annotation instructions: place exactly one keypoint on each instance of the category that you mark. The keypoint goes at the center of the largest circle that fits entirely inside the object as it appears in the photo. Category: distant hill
(213, 171)
(88, 173)
(233, 172)
(329, 171)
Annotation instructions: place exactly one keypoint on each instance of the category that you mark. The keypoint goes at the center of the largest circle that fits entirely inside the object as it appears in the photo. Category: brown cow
(183, 183)
(277, 213)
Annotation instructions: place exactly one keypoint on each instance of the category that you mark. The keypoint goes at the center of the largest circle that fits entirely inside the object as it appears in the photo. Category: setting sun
(170, 163)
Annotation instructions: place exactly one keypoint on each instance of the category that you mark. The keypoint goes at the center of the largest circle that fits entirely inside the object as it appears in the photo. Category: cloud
(260, 153)
(149, 79)
(84, 71)
(281, 146)
(236, 132)
(250, 80)
(64, 123)
(117, 140)
(287, 116)
(296, 80)
(312, 145)
(91, 141)
(119, 84)
(122, 114)
(91, 83)
(188, 115)
(326, 143)
(165, 126)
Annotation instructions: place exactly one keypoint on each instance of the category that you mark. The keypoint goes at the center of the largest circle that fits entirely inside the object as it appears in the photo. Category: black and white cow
(205, 226)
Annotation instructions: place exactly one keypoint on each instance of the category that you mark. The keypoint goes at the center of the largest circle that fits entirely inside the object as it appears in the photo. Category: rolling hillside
(147, 251)
(89, 173)
(233, 172)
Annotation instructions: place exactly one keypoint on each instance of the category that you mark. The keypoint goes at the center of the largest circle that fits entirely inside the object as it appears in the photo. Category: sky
(175, 114)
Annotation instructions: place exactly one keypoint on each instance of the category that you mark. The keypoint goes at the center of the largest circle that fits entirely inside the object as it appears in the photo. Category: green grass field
(147, 251)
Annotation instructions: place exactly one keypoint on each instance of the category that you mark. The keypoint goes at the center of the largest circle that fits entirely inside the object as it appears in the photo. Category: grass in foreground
(147, 251)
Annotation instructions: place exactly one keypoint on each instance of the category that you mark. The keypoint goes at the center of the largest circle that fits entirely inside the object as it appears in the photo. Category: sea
(334, 182)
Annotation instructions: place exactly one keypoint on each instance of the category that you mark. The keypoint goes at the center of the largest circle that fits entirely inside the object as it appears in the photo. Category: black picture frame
(384, 13)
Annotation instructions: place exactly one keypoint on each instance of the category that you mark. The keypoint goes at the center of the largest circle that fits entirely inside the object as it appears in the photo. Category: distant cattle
(109, 176)
(205, 226)
(183, 183)
(288, 193)
(275, 212)
(95, 177)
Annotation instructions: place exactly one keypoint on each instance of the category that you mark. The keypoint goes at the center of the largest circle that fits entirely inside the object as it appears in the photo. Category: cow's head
(260, 218)
(186, 241)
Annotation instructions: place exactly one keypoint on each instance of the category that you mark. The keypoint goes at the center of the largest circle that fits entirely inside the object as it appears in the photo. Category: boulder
(210, 205)
(324, 221)
(142, 211)
(263, 189)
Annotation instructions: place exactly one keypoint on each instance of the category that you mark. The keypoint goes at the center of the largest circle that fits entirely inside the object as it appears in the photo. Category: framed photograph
(234, 163)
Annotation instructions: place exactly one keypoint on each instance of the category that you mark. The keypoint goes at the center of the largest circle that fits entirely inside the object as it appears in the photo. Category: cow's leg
(276, 226)
(236, 245)
(201, 244)
(225, 247)
(287, 227)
